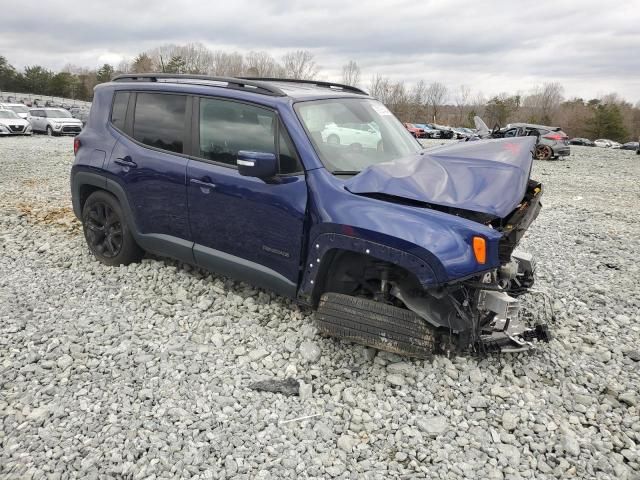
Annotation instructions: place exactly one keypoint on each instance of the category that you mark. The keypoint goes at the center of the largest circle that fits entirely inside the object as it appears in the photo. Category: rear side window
(119, 109)
(159, 120)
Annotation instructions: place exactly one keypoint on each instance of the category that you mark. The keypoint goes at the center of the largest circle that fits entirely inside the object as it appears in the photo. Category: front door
(245, 227)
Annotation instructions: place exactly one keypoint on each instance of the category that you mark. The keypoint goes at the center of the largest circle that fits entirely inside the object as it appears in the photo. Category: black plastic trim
(242, 269)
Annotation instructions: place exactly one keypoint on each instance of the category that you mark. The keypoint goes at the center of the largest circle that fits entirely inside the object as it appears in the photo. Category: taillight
(556, 136)
(76, 145)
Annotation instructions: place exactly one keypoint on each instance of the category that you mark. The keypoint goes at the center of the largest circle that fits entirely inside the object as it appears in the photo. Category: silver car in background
(12, 124)
(552, 141)
(54, 121)
(21, 110)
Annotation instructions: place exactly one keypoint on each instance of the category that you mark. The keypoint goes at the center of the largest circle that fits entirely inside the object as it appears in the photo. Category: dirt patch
(32, 182)
(62, 217)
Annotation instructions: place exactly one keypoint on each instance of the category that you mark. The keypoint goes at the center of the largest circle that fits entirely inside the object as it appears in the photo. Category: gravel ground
(144, 371)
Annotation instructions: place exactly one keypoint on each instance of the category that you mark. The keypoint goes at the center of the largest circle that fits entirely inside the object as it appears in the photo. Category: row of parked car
(17, 119)
(433, 130)
(605, 143)
(552, 141)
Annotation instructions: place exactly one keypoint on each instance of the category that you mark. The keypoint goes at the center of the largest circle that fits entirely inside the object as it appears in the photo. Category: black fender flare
(324, 245)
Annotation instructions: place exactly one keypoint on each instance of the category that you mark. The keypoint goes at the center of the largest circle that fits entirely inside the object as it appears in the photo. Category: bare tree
(227, 64)
(436, 95)
(543, 102)
(142, 64)
(379, 88)
(299, 65)
(351, 73)
(261, 64)
(197, 58)
(417, 100)
(462, 103)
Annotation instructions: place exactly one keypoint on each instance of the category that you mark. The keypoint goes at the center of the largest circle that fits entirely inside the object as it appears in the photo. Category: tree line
(609, 116)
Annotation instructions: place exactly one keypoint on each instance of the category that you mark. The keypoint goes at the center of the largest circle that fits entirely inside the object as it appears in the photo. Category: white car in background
(54, 121)
(12, 124)
(363, 135)
(603, 142)
(21, 109)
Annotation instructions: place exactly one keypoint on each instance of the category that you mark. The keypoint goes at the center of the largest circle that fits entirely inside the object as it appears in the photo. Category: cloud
(492, 46)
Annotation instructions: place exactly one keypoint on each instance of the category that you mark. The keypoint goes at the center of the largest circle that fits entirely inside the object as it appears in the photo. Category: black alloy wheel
(103, 230)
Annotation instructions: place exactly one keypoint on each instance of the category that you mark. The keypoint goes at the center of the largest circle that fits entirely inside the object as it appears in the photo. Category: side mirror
(257, 164)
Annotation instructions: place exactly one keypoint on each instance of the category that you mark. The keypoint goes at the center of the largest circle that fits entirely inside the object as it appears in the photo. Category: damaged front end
(484, 313)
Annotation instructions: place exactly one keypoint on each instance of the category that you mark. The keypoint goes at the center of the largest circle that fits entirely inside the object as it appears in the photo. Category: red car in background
(415, 131)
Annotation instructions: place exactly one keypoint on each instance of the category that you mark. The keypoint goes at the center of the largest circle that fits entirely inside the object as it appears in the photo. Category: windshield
(18, 109)
(58, 113)
(7, 114)
(351, 134)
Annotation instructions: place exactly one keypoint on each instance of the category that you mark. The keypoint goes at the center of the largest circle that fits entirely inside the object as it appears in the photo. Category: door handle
(202, 183)
(126, 162)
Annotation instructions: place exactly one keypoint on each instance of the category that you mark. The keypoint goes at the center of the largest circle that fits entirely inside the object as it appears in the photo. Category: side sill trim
(241, 269)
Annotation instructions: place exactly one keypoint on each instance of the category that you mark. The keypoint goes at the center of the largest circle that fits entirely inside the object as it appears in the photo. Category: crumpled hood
(488, 176)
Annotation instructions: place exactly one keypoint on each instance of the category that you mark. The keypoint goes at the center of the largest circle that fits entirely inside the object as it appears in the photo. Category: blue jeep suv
(396, 247)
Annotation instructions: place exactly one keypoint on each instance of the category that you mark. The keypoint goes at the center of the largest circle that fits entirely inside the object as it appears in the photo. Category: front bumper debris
(506, 327)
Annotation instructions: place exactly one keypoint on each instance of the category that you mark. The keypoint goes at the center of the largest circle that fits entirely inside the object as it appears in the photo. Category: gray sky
(590, 47)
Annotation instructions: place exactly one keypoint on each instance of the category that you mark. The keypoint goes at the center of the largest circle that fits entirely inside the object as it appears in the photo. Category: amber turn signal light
(480, 250)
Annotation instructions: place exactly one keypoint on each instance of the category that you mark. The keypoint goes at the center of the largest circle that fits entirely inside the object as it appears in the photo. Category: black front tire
(106, 231)
(376, 325)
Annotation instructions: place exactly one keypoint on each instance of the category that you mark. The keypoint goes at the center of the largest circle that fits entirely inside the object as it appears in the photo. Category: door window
(227, 127)
(159, 120)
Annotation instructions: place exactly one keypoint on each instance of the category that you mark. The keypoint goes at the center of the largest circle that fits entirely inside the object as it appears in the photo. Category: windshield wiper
(345, 172)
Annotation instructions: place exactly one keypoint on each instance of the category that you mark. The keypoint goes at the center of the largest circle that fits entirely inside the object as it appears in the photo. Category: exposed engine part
(500, 303)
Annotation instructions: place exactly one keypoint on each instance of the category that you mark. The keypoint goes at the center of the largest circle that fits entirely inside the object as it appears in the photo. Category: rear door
(243, 226)
(149, 161)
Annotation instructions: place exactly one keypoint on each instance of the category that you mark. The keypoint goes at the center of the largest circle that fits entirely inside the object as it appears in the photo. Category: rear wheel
(375, 324)
(106, 231)
(543, 152)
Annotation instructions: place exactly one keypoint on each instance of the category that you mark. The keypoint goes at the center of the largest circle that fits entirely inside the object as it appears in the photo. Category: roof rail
(231, 82)
(318, 83)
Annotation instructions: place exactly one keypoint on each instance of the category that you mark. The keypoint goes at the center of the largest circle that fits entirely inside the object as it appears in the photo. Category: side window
(511, 133)
(159, 120)
(227, 127)
(119, 109)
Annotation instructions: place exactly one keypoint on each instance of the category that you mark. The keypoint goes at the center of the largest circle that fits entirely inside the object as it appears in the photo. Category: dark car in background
(629, 146)
(585, 142)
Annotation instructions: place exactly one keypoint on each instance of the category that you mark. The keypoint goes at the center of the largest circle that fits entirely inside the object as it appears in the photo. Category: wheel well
(85, 191)
(347, 272)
